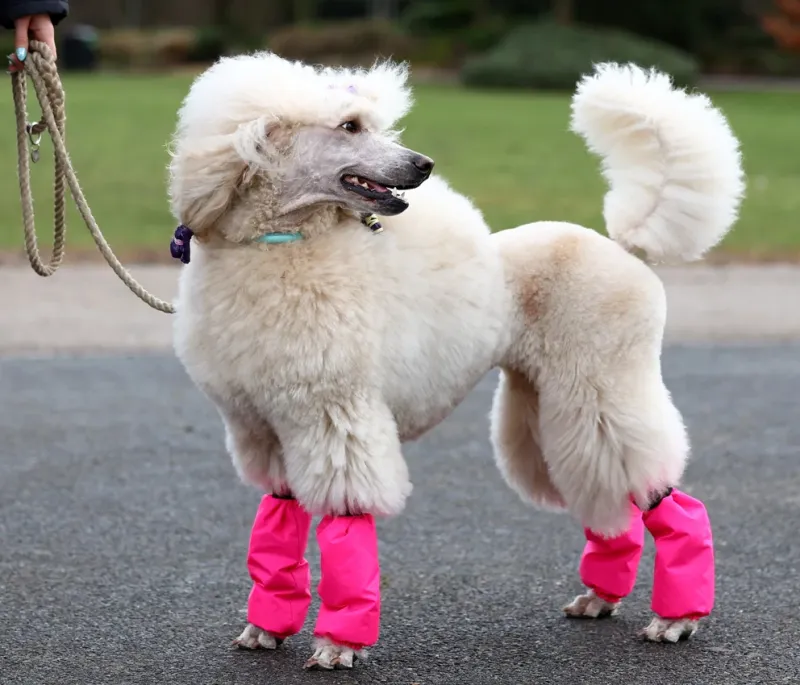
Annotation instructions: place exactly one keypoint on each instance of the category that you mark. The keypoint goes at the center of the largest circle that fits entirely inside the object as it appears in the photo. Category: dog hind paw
(253, 637)
(669, 630)
(328, 656)
(589, 605)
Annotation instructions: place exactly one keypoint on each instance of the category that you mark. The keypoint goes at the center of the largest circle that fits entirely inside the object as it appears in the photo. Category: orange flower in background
(784, 24)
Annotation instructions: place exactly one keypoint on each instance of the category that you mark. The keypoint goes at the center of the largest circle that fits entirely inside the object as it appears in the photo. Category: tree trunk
(222, 13)
(133, 13)
(383, 9)
(564, 11)
(481, 11)
(304, 11)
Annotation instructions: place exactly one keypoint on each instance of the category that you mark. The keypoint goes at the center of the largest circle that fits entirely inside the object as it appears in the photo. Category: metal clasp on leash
(34, 138)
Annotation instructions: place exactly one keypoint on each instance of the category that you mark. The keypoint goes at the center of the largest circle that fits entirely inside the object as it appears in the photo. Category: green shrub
(551, 56)
(484, 36)
(166, 48)
(6, 46)
(133, 48)
(436, 16)
(347, 43)
(445, 31)
(210, 43)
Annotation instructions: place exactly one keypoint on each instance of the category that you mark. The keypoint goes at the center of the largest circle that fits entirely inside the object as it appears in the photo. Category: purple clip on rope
(181, 244)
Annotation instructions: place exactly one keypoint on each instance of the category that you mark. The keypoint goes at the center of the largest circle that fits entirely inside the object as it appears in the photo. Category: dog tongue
(377, 186)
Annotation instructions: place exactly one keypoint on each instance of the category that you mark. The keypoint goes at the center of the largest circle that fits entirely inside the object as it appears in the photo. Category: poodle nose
(423, 163)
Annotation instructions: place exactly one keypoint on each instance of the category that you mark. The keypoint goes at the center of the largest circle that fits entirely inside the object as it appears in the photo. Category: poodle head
(299, 136)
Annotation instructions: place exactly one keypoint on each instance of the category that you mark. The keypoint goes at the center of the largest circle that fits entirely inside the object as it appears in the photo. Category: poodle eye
(351, 126)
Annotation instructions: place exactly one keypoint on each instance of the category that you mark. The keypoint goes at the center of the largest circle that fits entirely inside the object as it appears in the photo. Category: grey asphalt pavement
(123, 533)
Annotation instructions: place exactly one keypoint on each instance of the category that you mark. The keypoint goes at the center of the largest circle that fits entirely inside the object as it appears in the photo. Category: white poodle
(326, 344)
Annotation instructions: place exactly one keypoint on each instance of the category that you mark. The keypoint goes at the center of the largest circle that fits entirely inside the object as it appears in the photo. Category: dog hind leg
(683, 579)
(516, 441)
(610, 433)
(608, 569)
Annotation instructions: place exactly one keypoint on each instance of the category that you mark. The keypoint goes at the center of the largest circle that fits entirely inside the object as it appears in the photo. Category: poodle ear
(255, 139)
(202, 185)
(246, 177)
(206, 179)
(386, 86)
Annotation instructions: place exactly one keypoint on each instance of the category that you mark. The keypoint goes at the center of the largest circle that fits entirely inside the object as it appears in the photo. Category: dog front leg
(349, 590)
(281, 591)
(346, 459)
(347, 467)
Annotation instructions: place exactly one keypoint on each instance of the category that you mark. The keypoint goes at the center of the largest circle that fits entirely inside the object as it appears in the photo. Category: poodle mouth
(372, 190)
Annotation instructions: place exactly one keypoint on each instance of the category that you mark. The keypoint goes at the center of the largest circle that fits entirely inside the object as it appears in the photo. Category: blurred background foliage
(492, 82)
(544, 44)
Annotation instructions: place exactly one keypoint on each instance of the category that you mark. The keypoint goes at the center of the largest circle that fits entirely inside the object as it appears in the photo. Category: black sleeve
(11, 10)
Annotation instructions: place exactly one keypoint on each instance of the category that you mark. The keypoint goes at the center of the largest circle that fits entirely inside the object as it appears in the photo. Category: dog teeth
(357, 181)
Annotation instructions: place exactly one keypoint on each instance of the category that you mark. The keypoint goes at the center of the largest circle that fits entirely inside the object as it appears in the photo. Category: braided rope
(40, 66)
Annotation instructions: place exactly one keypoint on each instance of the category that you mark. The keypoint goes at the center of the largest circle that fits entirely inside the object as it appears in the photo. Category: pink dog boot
(608, 568)
(683, 580)
(349, 615)
(281, 593)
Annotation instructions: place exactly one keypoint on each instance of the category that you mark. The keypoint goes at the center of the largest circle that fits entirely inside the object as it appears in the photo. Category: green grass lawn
(512, 153)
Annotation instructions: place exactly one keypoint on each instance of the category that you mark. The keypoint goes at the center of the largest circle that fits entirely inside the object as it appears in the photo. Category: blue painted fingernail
(22, 53)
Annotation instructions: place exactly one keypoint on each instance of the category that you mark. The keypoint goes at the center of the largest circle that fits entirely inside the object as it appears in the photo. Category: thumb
(21, 27)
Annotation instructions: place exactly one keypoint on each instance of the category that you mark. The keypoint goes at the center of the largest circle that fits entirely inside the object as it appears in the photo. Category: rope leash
(40, 66)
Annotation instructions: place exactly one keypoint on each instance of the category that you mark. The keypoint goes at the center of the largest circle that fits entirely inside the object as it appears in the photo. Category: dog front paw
(253, 637)
(328, 656)
(669, 630)
(589, 605)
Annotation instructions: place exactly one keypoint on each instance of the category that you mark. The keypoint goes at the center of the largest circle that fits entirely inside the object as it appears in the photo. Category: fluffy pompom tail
(672, 163)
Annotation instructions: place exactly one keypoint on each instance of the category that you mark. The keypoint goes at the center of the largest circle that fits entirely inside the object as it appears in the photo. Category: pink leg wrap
(350, 585)
(609, 565)
(281, 591)
(683, 581)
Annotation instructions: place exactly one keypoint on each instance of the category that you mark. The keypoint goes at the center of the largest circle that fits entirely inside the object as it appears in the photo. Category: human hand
(38, 27)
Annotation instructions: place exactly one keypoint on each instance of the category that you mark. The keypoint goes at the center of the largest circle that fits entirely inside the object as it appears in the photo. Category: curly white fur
(669, 630)
(589, 605)
(672, 163)
(324, 355)
(328, 656)
(232, 105)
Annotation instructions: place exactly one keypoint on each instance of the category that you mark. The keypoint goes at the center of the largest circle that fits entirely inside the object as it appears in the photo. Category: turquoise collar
(369, 220)
(277, 238)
